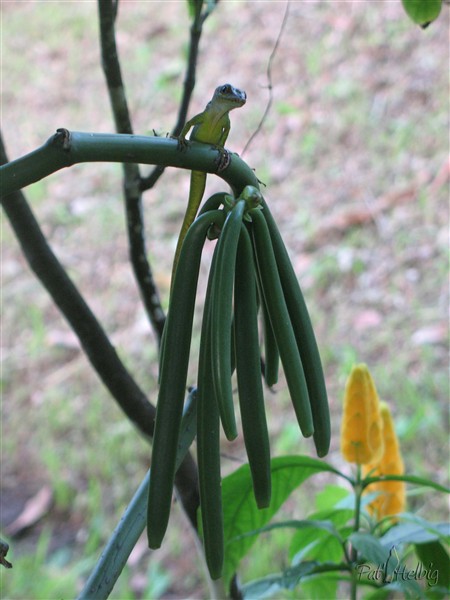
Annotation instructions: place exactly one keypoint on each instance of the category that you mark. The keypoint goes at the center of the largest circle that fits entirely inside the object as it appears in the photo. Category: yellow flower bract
(361, 433)
(392, 498)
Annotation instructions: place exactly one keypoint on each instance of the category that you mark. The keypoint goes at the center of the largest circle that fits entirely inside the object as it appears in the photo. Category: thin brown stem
(132, 178)
(188, 87)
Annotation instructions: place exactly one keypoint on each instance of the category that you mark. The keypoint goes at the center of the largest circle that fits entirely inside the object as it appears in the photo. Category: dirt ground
(354, 154)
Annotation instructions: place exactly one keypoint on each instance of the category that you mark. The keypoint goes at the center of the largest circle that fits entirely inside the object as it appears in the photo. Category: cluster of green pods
(250, 277)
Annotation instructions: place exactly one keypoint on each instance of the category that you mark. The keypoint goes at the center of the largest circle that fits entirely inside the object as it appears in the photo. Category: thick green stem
(65, 149)
(125, 536)
(358, 489)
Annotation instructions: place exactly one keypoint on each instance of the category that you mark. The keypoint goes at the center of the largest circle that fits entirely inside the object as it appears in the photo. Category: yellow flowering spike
(361, 437)
(392, 498)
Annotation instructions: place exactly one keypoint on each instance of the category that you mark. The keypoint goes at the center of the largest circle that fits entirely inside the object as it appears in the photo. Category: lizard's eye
(225, 89)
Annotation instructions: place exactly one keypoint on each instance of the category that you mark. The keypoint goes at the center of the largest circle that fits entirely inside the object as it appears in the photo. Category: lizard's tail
(196, 191)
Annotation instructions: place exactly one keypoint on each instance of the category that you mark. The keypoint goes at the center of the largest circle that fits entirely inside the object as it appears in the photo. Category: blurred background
(354, 156)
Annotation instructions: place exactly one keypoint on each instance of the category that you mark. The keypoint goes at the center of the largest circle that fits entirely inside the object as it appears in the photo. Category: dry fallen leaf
(432, 334)
(35, 508)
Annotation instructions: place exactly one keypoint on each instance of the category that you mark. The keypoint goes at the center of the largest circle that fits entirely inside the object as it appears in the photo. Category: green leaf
(414, 533)
(371, 549)
(319, 587)
(268, 586)
(287, 580)
(378, 594)
(410, 589)
(437, 528)
(408, 479)
(339, 516)
(436, 563)
(241, 514)
(330, 496)
(422, 12)
(294, 524)
(314, 544)
(388, 570)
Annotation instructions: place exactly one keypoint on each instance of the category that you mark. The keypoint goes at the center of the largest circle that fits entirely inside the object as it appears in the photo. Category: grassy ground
(354, 154)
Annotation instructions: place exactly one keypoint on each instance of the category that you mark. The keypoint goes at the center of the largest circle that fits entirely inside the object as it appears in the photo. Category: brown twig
(132, 178)
(188, 87)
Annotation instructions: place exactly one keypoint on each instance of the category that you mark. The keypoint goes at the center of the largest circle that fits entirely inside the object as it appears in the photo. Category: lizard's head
(230, 95)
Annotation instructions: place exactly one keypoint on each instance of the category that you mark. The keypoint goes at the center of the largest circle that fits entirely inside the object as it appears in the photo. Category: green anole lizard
(210, 127)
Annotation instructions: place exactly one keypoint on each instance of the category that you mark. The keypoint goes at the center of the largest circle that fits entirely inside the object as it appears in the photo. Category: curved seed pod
(270, 363)
(208, 447)
(221, 309)
(248, 370)
(281, 322)
(213, 202)
(174, 366)
(271, 353)
(306, 340)
(233, 347)
(188, 427)
(161, 354)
